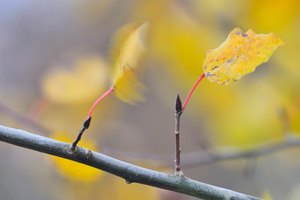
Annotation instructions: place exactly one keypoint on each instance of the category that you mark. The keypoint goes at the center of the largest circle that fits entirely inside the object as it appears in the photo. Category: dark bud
(178, 104)
(87, 123)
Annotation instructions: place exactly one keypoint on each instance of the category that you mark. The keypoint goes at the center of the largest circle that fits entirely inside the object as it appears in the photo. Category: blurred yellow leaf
(134, 191)
(72, 170)
(267, 196)
(251, 118)
(240, 54)
(293, 113)
(177, 39)
(129, 87)
(294, 192)
(275, 15)
(128, 51)
(84, 82)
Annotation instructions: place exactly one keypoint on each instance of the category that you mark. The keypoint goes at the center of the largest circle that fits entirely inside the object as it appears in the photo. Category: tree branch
(206, 157)
(200, 158)
(129, 172)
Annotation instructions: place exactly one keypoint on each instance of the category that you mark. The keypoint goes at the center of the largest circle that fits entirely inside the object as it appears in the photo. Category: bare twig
(87, 122)
(199, 158)
(178, 112)
(22, 119)
(129, 172)
(85, 126)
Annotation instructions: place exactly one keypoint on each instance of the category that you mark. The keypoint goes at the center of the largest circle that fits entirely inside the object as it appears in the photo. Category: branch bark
(129, 172)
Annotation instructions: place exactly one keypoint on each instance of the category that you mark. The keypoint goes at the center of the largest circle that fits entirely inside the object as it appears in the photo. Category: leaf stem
(110, 90)
(87, 122)
(192, 91)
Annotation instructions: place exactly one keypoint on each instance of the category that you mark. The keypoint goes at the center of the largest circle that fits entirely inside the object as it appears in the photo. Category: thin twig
(178, 112)
(87, 122)
(22, 119)
(129, 172)
(85, 126)
(199, 158)
(38, 107)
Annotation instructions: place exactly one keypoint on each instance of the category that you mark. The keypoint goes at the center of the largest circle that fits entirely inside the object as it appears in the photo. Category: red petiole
(87, 122)
(192, 91)
(110, 90)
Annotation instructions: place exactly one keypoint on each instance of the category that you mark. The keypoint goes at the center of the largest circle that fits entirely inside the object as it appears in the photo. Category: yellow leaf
(128, 51)
(292, 107)
(134, 191)
(177, 41)
(72, 170)
(240, 54)
(276, 15)
(128, 87)
(267, 196)
(249, 119)
(80, 84)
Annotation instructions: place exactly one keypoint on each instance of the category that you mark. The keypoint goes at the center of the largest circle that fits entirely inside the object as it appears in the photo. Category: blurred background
(55, 59)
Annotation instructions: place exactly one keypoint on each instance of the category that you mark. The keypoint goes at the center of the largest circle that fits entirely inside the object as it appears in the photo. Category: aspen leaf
(72, 170)
(240, 54)
(80, 84)
(128, 87)
(128, 51)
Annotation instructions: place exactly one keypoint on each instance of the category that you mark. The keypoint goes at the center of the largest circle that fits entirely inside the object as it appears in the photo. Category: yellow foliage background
(57, 57)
